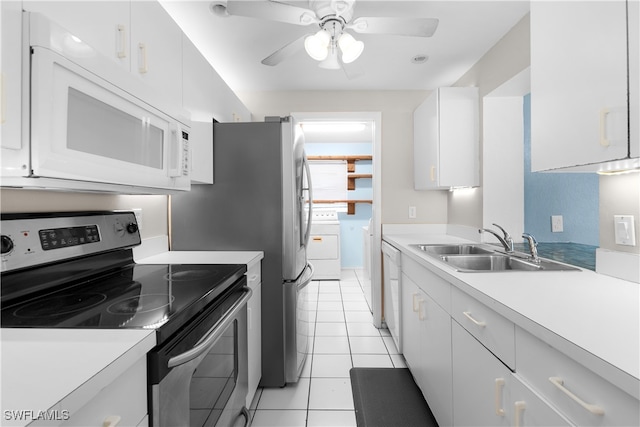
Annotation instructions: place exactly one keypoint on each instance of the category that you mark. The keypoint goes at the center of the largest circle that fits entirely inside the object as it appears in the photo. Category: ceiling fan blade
(351, 70)
(416, 27)
(273, 11)
(285, 52)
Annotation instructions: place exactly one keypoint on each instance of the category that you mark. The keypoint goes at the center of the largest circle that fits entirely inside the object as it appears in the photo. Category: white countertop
(63, 369)
(591, 317)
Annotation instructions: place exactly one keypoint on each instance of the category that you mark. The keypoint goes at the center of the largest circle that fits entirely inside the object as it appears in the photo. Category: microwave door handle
(307, 169)
(175, 151)
(214, 333)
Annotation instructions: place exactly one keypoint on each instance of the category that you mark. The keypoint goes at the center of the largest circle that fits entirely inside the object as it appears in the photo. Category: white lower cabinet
(426, 341)
(121, 403)
(478, 368)
(254, 334)
(487, 393)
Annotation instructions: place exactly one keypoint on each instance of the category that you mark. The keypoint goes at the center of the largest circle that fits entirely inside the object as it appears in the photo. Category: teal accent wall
(575, 196)
(351, 233)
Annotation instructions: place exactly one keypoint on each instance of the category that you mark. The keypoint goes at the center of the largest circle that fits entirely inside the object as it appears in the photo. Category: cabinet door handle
(421, 315)
(499, 385)
(122, 41)
(519, 407)
(432, 173)
(142, 48)
(475, 322)
(603, 127)
(559, 383)
(416, 303)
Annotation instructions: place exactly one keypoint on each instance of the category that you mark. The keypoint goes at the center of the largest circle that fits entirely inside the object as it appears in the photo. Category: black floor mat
(388, 397)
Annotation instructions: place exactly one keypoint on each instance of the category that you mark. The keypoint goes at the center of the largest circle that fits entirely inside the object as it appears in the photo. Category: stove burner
(140, 304)
(190, 275)
(59, 305)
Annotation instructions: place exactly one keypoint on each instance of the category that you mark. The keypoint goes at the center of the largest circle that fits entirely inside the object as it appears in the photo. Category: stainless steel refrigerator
(260, 200)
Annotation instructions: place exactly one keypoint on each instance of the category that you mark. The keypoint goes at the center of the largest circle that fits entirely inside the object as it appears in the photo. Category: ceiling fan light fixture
(350, 47)
(317, 45)
(331, 62)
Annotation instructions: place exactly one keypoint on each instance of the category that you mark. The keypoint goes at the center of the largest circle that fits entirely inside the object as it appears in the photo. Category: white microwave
(91, 125)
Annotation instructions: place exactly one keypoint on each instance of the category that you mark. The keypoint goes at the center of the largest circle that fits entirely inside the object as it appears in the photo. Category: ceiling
(235, 45)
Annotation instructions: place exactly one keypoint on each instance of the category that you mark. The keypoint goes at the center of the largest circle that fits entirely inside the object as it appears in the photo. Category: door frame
(376, 211)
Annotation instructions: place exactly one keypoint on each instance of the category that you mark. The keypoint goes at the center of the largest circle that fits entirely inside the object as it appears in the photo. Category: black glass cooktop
(160, 297)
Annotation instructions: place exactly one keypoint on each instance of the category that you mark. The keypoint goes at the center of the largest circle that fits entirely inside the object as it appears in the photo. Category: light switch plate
(625, 231)
(557, 225)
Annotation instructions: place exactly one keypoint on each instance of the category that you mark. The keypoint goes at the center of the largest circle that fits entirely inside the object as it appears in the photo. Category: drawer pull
(498, 394)
(519, 407)
(475, 322)
(559, 383)
(421, 315)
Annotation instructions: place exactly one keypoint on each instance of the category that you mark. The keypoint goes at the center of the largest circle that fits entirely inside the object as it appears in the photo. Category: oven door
(200, 377)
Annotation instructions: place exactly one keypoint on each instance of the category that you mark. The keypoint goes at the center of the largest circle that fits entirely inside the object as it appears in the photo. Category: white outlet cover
(557, 225)
(625, 231)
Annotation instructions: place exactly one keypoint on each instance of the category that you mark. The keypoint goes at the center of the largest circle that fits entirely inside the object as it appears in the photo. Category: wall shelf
(351, 178)
(350, 159)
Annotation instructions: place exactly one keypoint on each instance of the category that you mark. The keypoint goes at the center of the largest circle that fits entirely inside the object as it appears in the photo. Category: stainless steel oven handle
(214, 333)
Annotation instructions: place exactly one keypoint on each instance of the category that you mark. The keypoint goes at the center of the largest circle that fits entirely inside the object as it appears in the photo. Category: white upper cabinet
(582, 71)
(156, 49)
(11, 74)
(206, 96)
(446, 140)
(103, 25)
(139, 35)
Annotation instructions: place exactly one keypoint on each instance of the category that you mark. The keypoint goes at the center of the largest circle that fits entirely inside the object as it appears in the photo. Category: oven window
(214, 380)
(95, 127)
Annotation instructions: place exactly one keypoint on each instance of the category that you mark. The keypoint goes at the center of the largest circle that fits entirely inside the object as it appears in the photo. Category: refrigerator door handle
(307, 233)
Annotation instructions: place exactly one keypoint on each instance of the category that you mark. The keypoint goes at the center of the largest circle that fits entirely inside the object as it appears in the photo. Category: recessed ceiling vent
(419, 59)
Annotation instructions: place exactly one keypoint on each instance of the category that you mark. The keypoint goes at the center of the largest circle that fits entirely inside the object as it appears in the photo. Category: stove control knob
(132, 227)
(7, 244)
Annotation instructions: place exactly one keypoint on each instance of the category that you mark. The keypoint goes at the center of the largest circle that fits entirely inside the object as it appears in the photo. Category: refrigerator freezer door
(298, 323)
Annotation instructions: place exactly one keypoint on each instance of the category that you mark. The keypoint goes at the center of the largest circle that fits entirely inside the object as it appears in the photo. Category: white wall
(503, 61)
(154, 208)
(397, 141)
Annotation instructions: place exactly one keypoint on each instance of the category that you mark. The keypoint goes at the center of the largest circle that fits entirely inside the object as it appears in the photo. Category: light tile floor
(344, 337)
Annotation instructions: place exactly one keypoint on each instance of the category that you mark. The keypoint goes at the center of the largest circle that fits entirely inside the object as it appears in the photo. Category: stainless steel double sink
(478, 258)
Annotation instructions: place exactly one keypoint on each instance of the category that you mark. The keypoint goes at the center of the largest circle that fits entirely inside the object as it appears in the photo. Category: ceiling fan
(334, 18)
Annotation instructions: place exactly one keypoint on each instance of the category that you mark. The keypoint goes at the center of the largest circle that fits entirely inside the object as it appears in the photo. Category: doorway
(352, 141)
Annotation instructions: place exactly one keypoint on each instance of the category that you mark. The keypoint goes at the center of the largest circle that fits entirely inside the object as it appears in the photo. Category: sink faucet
(506, 241)
(533, 247)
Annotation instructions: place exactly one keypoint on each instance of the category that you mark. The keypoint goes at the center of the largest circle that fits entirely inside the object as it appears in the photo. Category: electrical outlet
(412, 212)
(556, 224)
